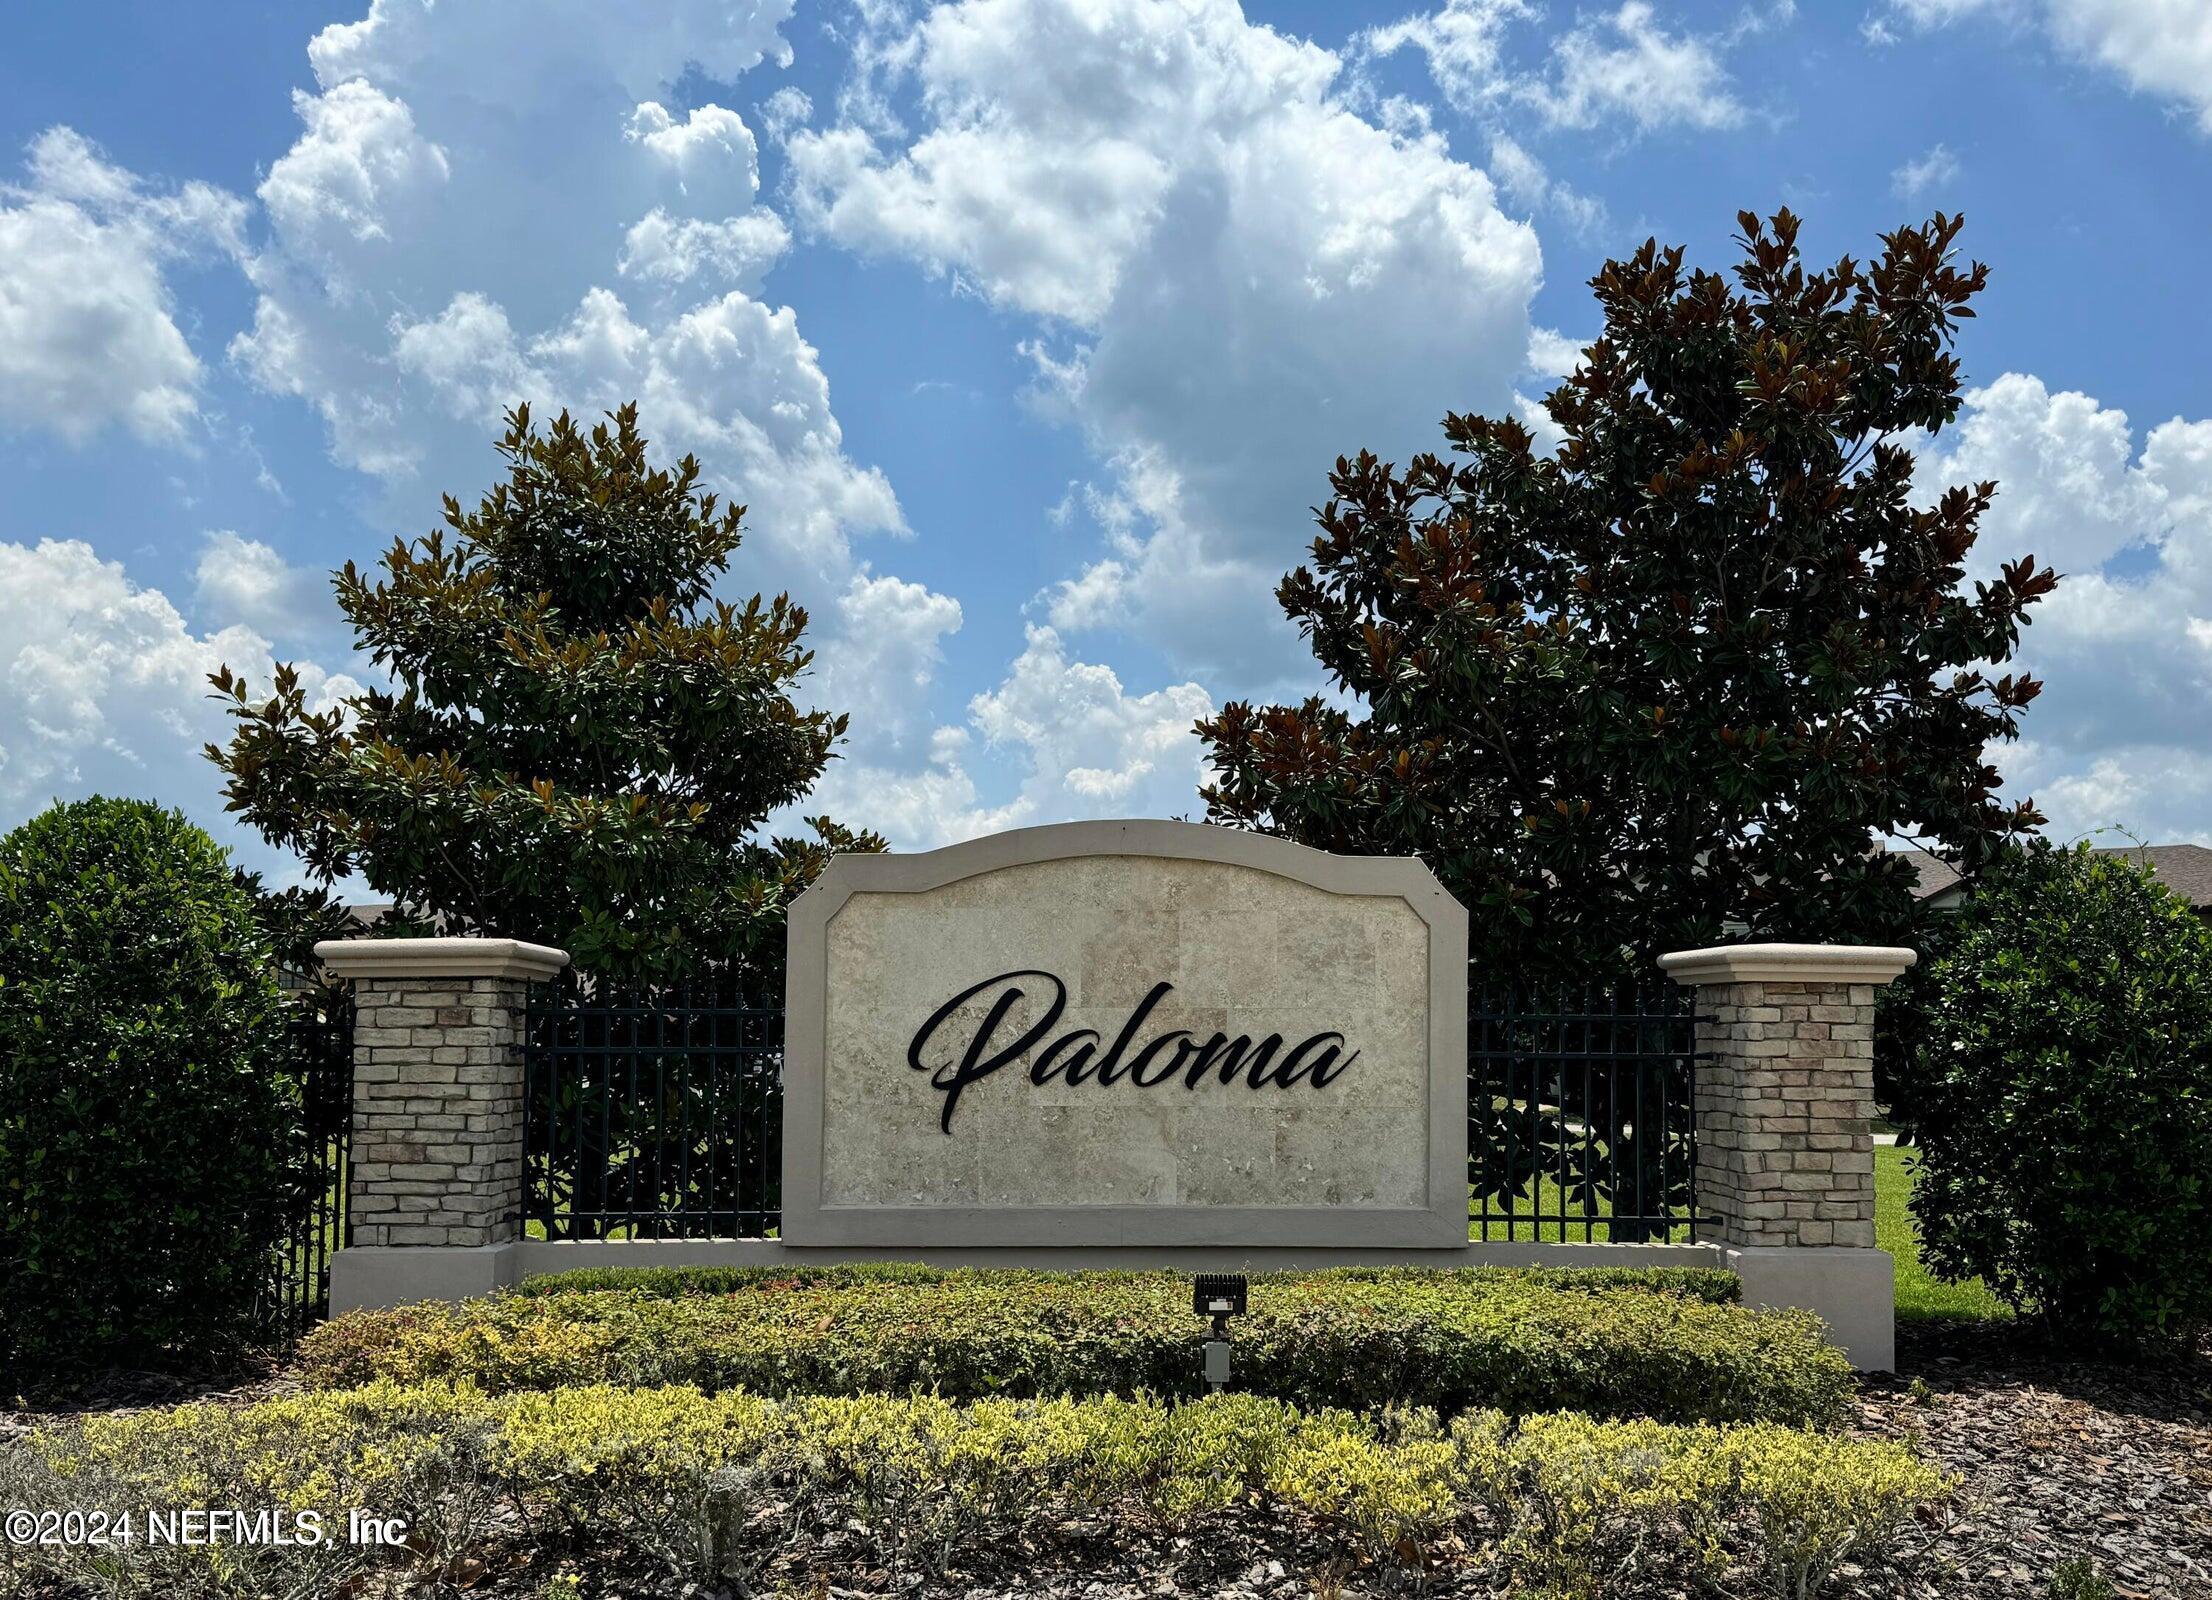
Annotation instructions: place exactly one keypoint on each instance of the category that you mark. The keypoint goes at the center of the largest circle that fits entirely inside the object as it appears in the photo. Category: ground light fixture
(1220, 1296)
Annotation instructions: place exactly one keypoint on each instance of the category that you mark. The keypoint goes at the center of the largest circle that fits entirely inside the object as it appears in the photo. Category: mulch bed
(250, 1377)
(2061, 1458)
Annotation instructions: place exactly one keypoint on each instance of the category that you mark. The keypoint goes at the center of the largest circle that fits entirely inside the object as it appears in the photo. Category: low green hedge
(709, 1488)
(672, 1283)
(1448, 1340)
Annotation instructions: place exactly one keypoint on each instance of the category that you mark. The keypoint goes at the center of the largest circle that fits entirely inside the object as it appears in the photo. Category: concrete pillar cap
(1789, 963)
(438, 958)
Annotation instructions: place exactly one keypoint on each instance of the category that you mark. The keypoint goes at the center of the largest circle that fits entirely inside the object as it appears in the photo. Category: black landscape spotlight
(1219, 1295)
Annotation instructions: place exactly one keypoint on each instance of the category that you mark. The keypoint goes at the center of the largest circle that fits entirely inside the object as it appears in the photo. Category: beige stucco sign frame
(1438, 1221)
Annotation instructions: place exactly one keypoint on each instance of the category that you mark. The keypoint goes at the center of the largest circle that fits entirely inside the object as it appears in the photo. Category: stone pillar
(1785, 1150)
(435, 1195)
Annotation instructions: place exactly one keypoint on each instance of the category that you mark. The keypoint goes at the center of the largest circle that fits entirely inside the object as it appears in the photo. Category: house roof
(2184, 868)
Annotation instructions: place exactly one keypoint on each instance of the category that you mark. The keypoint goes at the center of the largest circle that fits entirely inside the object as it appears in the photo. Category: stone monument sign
(1126, 1033)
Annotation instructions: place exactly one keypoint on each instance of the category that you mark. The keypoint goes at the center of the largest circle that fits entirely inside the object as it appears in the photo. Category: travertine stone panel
(1170, 1033)
(1246, 953)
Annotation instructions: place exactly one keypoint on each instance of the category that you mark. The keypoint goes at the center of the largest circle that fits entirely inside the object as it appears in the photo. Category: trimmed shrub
(1591, 1504)
(711, 1487)
(304, 1463)
(144, 1170)
(1447, 1340)
(674, 1283)
(2065, 1099)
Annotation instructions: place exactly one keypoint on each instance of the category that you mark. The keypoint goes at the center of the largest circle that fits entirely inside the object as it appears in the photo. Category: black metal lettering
(1325, 1067)
(1073, 1057)
(1231, 1054)
(973, 1066)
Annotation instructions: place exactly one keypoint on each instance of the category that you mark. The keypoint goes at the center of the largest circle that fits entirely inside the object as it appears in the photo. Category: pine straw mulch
(2062, 1457)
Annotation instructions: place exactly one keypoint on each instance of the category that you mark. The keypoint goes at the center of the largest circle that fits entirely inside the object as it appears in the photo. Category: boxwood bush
(709, 1488)
(1448, 1340)
(144, 1174)
(2064, 1097)
(1700, 1283)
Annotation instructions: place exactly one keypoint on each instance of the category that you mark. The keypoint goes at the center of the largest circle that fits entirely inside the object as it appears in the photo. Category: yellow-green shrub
(416, 1453)
(1593, 1505)
(1447, 1340)
(1588, 1502)
(436, 1341)
(709, 1485)
(1206, 1457)
(1817, 1510)
(1396, 1498)
(682, 1472)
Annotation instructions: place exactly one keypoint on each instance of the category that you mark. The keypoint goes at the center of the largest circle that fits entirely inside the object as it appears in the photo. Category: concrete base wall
(365, 1276)
(1851, 1290)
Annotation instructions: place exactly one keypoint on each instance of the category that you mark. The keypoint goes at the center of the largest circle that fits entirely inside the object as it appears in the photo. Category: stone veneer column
(435, 1195)
(1785, 1149)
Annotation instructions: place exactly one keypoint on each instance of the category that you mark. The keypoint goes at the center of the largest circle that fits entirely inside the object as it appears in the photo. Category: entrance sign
(1126, 1033)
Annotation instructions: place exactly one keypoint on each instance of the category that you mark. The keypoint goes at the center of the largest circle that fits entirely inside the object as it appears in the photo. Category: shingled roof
(2184, 868)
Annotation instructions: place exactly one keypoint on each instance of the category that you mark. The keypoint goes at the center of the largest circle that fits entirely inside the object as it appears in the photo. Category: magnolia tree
(1677, 672)
(579, 743)
(1669, 678)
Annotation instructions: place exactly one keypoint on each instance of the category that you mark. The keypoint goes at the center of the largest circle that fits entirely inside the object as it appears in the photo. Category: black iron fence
(661, 1116)
(1580, 1121)
(320, 1040)
(652, 1116)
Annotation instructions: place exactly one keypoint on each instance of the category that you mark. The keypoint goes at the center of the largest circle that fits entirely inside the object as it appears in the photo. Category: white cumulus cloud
(501, 202)
(891, 642)
(2161, 48)
(88, 329)
(103, 688)
(1622, 67)
(1232, 277)
(1081, 744)
(243, 581)
(1630, 68)
(2125, 644)
(1937, 170)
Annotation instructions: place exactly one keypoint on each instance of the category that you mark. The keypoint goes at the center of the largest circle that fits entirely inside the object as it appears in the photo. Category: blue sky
(1028, 328)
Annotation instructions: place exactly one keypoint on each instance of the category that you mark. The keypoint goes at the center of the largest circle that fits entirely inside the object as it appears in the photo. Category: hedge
(673, 1283)
(1451, 1341)
(2063, 1098)
(709, 1488)
(146, 1174)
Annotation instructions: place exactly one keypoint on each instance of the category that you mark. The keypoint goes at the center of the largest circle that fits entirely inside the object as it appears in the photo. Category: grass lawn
(1920, 1297)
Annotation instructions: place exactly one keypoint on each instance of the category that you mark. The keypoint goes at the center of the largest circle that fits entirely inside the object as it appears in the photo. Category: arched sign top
(1126, 1032)
(894, 873)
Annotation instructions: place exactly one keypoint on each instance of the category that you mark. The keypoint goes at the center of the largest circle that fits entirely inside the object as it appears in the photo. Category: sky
(1028, 331)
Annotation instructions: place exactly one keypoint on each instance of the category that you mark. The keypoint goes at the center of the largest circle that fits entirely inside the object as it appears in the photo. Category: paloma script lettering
(1318, 1060)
